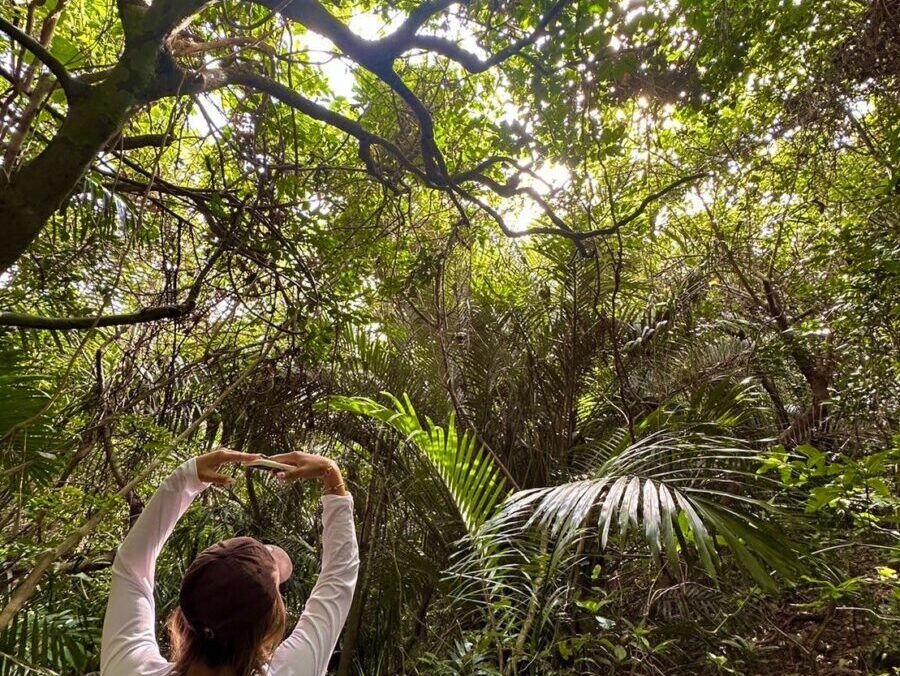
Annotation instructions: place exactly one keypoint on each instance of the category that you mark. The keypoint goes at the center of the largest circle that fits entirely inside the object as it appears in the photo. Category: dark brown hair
(244, 656)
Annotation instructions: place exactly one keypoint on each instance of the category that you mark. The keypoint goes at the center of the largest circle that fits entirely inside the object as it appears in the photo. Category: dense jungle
(595, 303)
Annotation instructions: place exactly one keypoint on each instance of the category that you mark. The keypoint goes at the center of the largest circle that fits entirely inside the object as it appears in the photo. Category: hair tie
(209, 633)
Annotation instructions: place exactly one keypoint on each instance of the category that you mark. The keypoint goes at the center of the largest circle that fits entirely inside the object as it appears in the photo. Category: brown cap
(232, 586)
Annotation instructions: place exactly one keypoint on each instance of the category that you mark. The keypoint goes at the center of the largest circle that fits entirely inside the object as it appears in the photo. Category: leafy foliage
(26, 426)
(633, 265)
(42, 643)
(468, 471)
(668, 491)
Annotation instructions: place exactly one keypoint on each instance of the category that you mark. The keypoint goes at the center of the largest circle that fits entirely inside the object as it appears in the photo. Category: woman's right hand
(312, 466)
(208, 464)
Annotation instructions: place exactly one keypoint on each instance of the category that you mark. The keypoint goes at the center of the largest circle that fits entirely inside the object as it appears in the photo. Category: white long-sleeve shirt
(129, 647)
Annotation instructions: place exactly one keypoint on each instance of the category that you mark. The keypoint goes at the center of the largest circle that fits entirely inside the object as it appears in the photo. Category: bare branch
(576, 237)
(315, 17)
(182, 47)
(562, 229)
(165, 17)
(483, 166)
(78, 563)
(377, 56)
(317, 112)
(150, 314)
(398, 40)
(511, 189)
(435, 167)
(141, 141)
(652, 197)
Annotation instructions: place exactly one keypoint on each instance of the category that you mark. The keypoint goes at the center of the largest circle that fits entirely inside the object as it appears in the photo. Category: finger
(238, 457)
(289, 458)
(244, 458)
(290, 476)
(221, 480)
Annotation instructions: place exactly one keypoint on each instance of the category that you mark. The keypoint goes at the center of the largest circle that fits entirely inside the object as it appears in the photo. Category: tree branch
(652, 197)
(397, 41)
(183, 47)
(141, 141)
(378, 57)
(472, 63)
(510, 189)
(72, 86)
(148, 314)
(562, 229)
(78, 563)
(315, 17)
(165, 17)
(317, 112)
(435, 168)
(576, 237)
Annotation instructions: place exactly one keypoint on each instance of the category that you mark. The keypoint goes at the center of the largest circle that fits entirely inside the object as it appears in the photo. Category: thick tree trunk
(34, 192)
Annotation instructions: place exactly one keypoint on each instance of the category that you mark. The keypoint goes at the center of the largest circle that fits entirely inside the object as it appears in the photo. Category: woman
(230, 618)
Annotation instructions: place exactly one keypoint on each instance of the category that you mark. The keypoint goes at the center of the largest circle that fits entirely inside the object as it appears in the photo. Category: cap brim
(282, 561)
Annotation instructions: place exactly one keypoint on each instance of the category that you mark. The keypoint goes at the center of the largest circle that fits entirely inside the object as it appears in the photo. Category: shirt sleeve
(128, 646)
(307, 650)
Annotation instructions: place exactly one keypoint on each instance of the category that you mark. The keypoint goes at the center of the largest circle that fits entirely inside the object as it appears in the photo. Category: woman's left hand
(312, 466)
(208, 464)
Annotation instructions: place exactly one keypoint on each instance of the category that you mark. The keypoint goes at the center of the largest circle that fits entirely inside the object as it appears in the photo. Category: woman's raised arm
(128, 645)
(307, 650)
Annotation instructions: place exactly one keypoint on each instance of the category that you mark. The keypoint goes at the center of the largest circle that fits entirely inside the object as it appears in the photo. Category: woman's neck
(203, 670)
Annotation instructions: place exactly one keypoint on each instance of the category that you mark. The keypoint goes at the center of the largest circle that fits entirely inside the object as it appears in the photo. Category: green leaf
(468, 471)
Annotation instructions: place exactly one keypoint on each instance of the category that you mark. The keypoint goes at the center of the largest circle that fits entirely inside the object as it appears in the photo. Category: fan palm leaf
(672, 490)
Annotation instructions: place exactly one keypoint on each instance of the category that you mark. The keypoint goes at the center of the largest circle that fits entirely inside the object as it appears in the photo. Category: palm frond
(29, 444)
(466, 468)
(673, 491)
(48, 643)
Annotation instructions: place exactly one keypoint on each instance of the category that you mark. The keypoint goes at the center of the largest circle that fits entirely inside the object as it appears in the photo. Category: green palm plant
(29, 444)
(675, 490)
(42, 642)
(466, 468)
(685, 490)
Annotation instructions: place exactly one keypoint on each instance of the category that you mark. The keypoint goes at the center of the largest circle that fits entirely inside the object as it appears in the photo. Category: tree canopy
(594, 302)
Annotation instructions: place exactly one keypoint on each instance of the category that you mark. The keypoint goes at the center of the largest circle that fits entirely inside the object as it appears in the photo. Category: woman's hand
(311, 466)
(209, 463)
